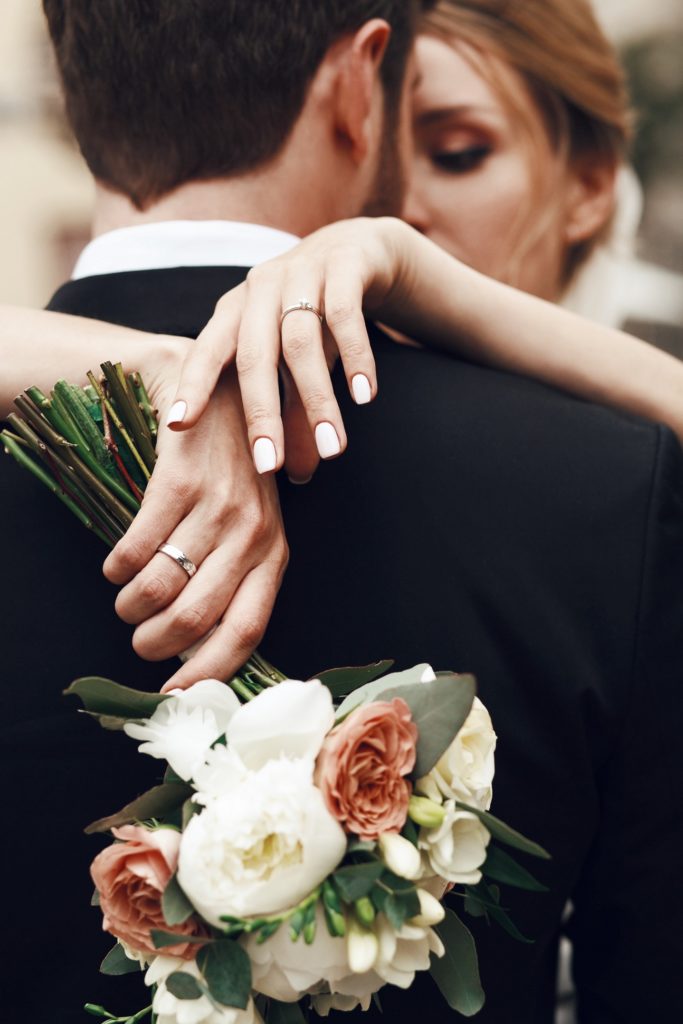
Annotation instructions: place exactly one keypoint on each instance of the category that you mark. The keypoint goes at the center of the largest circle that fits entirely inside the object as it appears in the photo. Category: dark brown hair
(161, 92)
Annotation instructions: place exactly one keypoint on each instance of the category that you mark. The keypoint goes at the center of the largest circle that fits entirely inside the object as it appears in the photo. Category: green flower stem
(264, 668)
(108, 405)
(144, 402)
(121, 394)
(239, 687)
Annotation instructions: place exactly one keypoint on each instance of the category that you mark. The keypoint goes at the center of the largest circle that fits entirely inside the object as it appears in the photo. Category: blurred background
(45, 192)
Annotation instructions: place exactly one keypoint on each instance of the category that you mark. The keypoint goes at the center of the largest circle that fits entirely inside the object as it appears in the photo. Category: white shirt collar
(182, 243)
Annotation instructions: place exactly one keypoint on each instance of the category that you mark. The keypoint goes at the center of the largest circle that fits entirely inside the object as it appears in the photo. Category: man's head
(164, 92)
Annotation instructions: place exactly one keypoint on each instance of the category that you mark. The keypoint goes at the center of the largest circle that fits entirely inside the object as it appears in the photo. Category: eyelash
(462, 160)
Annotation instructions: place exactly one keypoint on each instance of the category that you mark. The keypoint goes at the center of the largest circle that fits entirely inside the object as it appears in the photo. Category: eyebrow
(446, 113)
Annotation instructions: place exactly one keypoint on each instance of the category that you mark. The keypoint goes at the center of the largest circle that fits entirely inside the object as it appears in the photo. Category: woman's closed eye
(460, 161)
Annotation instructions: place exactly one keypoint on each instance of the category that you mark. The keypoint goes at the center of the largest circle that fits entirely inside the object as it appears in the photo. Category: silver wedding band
(180, 557)
(304, 305)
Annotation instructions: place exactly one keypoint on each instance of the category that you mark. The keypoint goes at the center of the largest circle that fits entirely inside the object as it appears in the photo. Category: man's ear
(358, 84)
(590, 198)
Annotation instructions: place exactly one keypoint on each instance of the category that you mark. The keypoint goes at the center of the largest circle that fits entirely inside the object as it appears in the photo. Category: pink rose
(361, 768)
(130, 877)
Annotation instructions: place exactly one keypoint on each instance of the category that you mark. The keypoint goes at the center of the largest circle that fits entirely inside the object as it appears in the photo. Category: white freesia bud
(361, 948)
(400, 856)
(431, 911)
(425, 812)
(185, 725)
(457, 849)
(288, 720)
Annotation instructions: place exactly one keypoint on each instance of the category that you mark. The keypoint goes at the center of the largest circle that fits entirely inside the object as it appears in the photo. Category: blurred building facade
(46, 193)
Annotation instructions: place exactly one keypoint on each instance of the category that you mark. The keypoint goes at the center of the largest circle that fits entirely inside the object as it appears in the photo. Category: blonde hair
(568, 66)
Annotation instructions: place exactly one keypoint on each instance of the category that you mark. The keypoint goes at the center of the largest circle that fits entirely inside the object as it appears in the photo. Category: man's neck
(291, 203)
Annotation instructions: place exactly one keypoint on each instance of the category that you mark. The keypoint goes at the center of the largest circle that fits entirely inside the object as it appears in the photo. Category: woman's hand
(339, 270)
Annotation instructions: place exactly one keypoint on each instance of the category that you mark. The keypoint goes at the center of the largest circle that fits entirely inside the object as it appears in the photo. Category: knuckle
(355, 349)
(257, 416)
(247, 358)
(339, 313)
(317, 402)
(193, 621)
(155, 590)
(296, 344)
(130, 556)
(248, 633)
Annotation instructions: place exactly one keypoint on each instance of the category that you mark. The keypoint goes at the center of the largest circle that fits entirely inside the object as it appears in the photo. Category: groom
(478, 521)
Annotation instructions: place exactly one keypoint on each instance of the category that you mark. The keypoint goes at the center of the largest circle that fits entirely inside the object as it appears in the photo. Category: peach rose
(362, 766)
(130, 877)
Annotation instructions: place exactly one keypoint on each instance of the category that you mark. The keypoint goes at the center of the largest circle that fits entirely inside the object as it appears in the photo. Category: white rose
(185, 725)
(465, 771)
(457, 848)
(170, 1010)
(262, 847)
(290, 719)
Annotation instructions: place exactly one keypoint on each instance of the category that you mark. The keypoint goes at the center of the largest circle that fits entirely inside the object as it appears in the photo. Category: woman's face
(477, 188)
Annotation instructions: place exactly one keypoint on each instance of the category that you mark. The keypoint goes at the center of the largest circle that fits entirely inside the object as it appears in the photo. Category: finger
(302, 348)
(258, 354)
(164, 505)
(160, 582)
(239, 633)
(301, 454)
(198, 607)
(212, 351)
(346, 323)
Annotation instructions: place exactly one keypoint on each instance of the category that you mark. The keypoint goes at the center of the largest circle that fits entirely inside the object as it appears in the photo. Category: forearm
(39, 347)
(444, 303)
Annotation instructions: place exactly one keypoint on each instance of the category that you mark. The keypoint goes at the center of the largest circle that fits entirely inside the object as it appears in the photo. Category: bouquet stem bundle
(93, 447)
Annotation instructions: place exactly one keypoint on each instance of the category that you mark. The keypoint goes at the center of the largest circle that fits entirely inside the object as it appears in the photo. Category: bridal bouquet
(309, 840)
(302, 841)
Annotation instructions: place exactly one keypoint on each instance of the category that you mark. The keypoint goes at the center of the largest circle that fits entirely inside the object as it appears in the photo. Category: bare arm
(388, 271)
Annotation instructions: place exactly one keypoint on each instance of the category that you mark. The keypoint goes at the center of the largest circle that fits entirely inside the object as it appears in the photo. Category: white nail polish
(327, 441)
(177, 413)
(265, 456)
(360, 387)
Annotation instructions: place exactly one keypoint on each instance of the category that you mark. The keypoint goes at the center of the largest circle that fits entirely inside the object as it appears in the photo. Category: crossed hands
(212, 494)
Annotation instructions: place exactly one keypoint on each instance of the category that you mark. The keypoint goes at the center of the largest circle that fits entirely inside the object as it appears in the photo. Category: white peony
(170, 1010)
(261, 847)
(457, 848)
(465, 771)
(185, 725)
(290, 719)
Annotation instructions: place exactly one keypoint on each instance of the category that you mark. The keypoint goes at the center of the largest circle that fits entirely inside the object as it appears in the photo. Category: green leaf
(266, 930)
(105, 697)
(227, 971)
(398, 908)
(116, 962)
(356, 880)
(162, 938)
(502, 918)
(457, 972)
(155, 803)
(361, 845)
(409, 832)
(439, 709)
(373, 690)
(95, 899)
(504, 834)
(175, 905)
(284, 1013)
(114, 723)
(342, 681)
(501, 866)
(183, 986)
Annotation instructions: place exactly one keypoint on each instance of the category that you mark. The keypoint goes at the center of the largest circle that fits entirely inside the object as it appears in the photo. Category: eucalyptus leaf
(105, 697)
(398, 908)
(162, 939)
(342, 681)
(284, 1013)
(356, 880)
(504, 834)
(183, 986)
(457, 972)
(175, 905)
(227, 971)
(116, 962)
(501, 866)
(374, 690)
(114, 723)
(155, 803)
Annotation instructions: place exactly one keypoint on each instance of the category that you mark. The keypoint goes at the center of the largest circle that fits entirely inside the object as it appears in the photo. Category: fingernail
(327, 441)
(265, 456)
(177, 413)
(299, 483)
(360, 387)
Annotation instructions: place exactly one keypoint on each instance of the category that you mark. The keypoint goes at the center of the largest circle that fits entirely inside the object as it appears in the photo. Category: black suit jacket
(478, 521)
